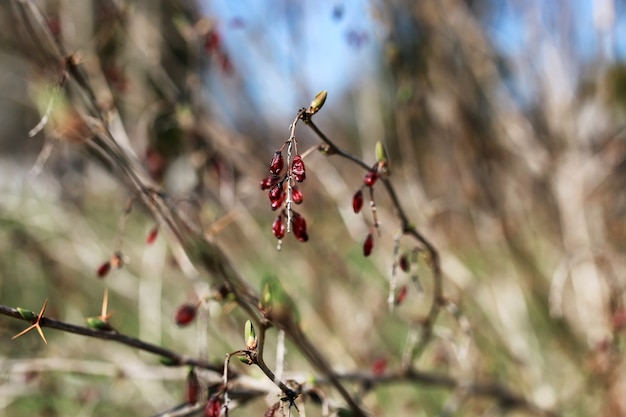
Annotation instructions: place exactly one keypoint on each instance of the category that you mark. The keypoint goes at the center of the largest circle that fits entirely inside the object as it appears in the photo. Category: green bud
(168, 361)
(98, 324)
(276, 303)
(26, 314)
(245, 359)
(250, 336)
(382, 157)
(317, 102)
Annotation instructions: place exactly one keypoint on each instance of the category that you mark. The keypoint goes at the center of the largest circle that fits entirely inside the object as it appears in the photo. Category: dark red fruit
(370, 178)
(368, 245)
(104, 269)
(152, 235)
(401, 295)
(212, 41)
(357, 201)
(278, 227)
(271, 412)
(185, 314)
(269, 182)
(277, 163)
(379, 366)
(298, 224)
(296, 195)
(297, 168)
(213, 407)
(276, 196)
(192, 389)
(404, 263)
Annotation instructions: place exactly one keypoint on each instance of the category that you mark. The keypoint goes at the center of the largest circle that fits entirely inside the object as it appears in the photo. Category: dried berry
(401, 295)
(357, 201)
(276, 196)
(269, 182)
(277, 163)
(185, 314)
(379, 366)
(297, 168)
(368, 245)
(192, 388)
(298, 224)
(271, 412)
(296, 195)
(278, 227)
(404, 263)
(152, 235)
(370, 178)
(213, 407)
(104, 269)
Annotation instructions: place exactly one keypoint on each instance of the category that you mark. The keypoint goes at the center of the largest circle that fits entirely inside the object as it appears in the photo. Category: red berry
(104, 269)
(271, 412)
(276, 196)
(370, 178)
(152, 235)
(296, 195)
(357, 201)
(185, 314)
(278, 227)
(212, 41)
(404, 263)
(269, 182)
(297, 168)
(213, 407)
(192, 389)
(401, 295)
(298, 224)
(277, 163)
(379, 366)
(368, 245)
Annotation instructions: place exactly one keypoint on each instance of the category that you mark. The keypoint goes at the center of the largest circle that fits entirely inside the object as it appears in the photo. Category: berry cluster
(357, 204)
(284, 191)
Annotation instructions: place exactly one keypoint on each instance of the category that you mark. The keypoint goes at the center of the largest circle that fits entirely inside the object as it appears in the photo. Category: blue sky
(286, 51)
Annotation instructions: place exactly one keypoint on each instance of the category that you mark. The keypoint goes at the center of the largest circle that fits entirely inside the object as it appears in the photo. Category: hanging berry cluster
(284, 191)
(284, 178)
(381, 167)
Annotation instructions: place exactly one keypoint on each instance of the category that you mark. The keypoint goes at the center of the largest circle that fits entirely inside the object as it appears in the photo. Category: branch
(408, 228)
(112, 335)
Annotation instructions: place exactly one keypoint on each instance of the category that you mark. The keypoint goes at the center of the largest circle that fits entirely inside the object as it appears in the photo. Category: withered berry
(185, 314)
(357, 201)
(104, 269)
(152, 235)
(192, 388)
(368, 245)
(213, 407)
(276, 196)
(370, 178)
(277, 163)
(404, 263)
(298, 169)
(296, 195)
(298, 223)
(401, 295)
(269, 182)
(278, 227)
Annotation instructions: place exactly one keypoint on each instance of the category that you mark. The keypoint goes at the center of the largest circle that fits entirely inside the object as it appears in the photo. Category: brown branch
(112, 335)
(407, 227)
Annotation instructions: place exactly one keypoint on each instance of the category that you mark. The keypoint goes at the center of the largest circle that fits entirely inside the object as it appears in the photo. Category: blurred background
(504, 123)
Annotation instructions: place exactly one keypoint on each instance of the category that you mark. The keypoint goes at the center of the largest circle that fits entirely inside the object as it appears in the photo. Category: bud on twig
(317, 102)
(250, 336)
(382, 158)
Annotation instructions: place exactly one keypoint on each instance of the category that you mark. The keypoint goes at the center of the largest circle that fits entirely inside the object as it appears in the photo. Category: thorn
(35, 325)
